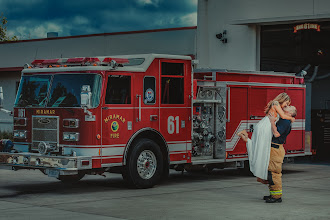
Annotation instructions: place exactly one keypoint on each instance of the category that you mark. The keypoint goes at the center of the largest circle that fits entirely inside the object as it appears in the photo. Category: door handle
(140, 107)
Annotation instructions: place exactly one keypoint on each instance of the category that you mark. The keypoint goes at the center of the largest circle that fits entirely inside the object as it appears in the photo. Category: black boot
(267, 197)
(273, 200)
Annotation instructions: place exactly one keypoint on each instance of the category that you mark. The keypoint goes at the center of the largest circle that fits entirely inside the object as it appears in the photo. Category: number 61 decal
(173, 124)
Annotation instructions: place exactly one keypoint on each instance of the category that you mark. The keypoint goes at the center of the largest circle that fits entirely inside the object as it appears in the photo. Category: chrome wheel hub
(146, 164)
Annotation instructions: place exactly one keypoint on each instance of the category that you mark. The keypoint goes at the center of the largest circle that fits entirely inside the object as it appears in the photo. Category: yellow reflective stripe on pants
(279, 192)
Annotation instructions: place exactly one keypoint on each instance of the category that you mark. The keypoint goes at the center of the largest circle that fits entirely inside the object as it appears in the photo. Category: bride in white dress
(259, 145)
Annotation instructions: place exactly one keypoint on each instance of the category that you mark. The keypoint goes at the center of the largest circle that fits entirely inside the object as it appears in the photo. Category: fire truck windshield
(58, 90)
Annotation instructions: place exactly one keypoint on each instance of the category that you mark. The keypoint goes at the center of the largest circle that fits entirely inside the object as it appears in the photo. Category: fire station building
(283, 36)
(290, 36)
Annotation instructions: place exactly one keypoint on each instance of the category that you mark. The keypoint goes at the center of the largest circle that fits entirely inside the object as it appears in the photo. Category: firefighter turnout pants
(277, 154)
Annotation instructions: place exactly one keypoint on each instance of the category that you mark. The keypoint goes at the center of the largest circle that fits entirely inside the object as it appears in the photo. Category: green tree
(3, 30)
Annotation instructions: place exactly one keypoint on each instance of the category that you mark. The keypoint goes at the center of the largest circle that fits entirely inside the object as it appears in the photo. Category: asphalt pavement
(221, 194)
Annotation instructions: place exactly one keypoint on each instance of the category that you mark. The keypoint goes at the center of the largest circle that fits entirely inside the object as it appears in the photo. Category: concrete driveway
(222, 194)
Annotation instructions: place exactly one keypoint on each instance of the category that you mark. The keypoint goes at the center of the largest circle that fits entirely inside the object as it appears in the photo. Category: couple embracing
(265, 148)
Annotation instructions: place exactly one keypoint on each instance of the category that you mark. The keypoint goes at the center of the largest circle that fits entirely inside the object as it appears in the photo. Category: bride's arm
(280, 111)
(272, 120)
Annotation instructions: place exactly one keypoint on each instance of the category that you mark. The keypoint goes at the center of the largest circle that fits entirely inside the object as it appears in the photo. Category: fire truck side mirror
(86, 96)
(1, 97)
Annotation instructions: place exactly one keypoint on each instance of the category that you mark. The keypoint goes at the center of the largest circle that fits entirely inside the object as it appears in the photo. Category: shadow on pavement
(115, 182)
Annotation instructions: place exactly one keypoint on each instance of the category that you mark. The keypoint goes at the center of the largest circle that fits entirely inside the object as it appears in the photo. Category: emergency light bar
(118, 60)
(77, 61)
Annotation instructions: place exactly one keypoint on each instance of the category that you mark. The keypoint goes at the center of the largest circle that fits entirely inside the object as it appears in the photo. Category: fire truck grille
(45, 129)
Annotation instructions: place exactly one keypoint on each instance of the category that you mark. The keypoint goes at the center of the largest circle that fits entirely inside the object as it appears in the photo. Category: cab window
(172, 78)
(118, 90)
(149, 90)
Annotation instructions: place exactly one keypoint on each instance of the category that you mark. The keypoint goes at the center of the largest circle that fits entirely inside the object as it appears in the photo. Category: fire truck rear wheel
(144, 165)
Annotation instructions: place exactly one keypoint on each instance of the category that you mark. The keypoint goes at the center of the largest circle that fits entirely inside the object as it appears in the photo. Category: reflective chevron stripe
(273, 193)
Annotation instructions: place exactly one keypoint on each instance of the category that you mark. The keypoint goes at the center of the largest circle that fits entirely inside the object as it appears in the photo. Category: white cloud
(194, 2)
(189, 19)
(148, 2)
(175, 21)
(25, 31)
(80, 20)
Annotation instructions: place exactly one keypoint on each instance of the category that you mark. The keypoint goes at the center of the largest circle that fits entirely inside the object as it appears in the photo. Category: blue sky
(31, 19)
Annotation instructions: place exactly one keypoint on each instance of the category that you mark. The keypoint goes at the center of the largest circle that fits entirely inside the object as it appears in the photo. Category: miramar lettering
(114, 117)
(45, 112)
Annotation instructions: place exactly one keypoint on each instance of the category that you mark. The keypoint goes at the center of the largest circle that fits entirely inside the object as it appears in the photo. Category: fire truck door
(237, 115)
(295, 142)
(117, 117)
(146, 104)
(175, 108)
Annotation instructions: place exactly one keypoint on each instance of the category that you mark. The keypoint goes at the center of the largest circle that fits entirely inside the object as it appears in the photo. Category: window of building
(149, 90)
(172, 81)
(118, 90)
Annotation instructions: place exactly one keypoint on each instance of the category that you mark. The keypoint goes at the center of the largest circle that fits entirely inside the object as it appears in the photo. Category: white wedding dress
(258, 148)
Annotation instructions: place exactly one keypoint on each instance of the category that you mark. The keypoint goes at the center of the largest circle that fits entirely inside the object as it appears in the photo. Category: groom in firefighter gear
(280, 132)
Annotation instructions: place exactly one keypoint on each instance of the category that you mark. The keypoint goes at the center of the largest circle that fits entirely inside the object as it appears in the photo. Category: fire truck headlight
(66, 136)
(16, 134)
(19, 121)
(20, 134)
(70, 136)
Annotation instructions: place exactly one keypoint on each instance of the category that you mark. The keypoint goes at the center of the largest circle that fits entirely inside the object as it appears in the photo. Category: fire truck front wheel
(144, 164)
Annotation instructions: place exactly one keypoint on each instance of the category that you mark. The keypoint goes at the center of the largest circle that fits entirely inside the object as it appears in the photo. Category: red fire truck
(141, 115)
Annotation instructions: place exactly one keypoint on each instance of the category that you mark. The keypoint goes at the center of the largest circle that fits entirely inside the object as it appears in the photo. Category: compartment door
(295, 141)
(237, 119)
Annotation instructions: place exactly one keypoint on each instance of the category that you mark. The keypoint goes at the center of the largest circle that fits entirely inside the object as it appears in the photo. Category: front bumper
(40, 161)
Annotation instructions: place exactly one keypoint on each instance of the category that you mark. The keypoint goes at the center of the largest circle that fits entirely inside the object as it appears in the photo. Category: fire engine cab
(141, 115)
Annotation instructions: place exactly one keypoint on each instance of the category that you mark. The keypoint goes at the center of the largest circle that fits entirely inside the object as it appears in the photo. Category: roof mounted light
(50, 62)
(37, 62)
(75, 60)
(117, 60)
(83, 60)
(78, 61)
(47, 62)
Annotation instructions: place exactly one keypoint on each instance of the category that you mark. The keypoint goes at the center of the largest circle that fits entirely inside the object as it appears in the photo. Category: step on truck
(141, 115)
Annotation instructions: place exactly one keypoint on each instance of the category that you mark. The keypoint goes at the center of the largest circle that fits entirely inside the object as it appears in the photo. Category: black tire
(69, 179)
(144, 165)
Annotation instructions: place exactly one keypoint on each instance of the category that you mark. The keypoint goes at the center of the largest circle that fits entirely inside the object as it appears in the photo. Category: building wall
(179, 41)
(240, 18)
